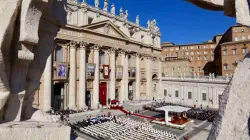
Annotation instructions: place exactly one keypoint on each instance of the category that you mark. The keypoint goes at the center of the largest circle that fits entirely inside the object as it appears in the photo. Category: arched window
(59, 54)
(225, 66)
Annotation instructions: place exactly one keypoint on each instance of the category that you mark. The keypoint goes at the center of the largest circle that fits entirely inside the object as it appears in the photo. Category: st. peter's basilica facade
(100, 56)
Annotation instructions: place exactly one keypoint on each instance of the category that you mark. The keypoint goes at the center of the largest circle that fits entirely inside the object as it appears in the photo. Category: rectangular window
(244, 50)
(199, 69)
(225, 52)
(212, 46)
(192, 58)
(225, 67)
(205, 57)
(204, 96)
(244, 37)
(176, 93)
(236, 39)
(165, 92)
(212, 57)
(192, 69)
(192, 53)
(199, 57)
(189, 95)
(212, 52)
(234, 52)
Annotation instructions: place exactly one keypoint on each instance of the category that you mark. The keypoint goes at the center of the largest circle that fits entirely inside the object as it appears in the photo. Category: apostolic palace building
(100, 56)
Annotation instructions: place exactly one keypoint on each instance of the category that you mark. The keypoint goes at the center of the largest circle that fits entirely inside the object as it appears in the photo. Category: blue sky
(179, 21)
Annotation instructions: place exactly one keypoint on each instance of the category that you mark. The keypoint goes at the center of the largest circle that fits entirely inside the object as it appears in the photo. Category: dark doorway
(130, 90)
(88, 98)
(57, 102)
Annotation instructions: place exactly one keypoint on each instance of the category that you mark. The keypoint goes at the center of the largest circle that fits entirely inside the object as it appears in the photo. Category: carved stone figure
(97, 3)
(149, 24)
(121, 12)
(105, 7)
(113, 9)
(233, 8)
(137, 20)
(126, 14)
(21, 71)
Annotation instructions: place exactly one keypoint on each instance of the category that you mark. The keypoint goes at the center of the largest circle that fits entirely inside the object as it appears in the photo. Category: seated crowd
(193, 113)
(124, 129)
(139, 102)
(64, 111)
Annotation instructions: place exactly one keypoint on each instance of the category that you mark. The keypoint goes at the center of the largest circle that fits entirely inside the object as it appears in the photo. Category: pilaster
(138, 80)
(112, 73)
(47, 84)
(72, 75)
(95, 100)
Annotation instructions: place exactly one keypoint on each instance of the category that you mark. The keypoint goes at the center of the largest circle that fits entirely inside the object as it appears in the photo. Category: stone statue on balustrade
(126, 15)
(121, 12)
(27, 33)
(113, 9)
(96, 3)
(137, 20)
(105, 7)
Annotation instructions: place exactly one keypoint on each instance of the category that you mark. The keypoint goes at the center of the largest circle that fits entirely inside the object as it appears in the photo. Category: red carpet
(134, 114)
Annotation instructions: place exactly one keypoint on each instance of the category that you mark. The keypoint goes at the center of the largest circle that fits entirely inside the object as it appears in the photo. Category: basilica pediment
(106, 28)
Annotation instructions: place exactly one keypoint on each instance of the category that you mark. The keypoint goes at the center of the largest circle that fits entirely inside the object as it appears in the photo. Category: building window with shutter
(225, 66)
(234, 51)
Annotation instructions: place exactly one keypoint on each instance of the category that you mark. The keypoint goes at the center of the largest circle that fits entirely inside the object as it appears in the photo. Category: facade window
(212, 46)
(142, 38)
(171, 49)
(198, 52)
(242, 30)
(236, 31)
(199, 69)
(176, 93)
(204, 96)
(199, 57)
(189, 95)
(166, 54)
(244, 38)
(236, 39)
(225, 52)
(102, 58)
(198, 47)
(205, 57)
(177, 49)
(212, 52)
(244, 50)
(192, 53)
(212, 57)
(187, 53)
(192, 69)
(59, 54)
(234, 51)
(205, 52)
(192, 58)
(173, 69)
(225, 66)
(165, 92)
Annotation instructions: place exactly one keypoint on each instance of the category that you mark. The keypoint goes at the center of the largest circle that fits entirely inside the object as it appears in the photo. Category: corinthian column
(149, 76)
(112, 74)
(72, 76)
(138, 80)
(125, 73)
(47, 84)
(96, 87)
(122, 93)
(160, 90)
(82, 75)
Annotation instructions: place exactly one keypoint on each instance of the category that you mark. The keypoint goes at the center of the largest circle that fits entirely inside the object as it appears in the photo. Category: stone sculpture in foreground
(233, 122)
(232, 8)
(27, 32)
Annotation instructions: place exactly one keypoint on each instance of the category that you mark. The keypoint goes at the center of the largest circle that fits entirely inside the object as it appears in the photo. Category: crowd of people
(64, 111)
(193, 113)
(124, 128)
(139, 102)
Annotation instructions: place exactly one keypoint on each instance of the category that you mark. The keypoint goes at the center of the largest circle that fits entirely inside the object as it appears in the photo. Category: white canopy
(178, 109)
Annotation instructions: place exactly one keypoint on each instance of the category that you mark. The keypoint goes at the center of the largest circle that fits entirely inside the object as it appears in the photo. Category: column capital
(73, 44)
(97, 47)
(112, 50)
(85, 10)
(149, 57)
(83, 45)
(138, 55)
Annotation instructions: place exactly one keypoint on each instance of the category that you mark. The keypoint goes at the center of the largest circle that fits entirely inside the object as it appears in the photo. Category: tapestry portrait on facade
(62, 70)
(90, 71)
(119, 72)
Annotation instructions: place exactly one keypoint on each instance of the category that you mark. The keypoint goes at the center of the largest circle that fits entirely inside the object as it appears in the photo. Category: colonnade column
(47, 84)
(96, 84)
(138, 79)
(125, 73)
(112, 73)
(160, 90)
(122, 93)
(72, 76)
(82, 75)
(149, 76)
